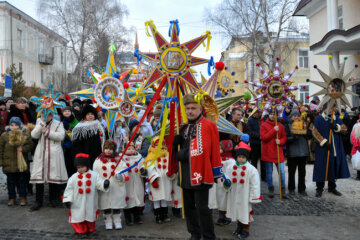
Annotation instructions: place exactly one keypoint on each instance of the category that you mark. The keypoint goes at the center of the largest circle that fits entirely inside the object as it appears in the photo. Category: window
(340, 17)
(304, 90)
(303, 58)
(53, 52)
(19, 37)
(41, 48)
(53, 77)
(42, 76)
(62, 58)
(20, 67)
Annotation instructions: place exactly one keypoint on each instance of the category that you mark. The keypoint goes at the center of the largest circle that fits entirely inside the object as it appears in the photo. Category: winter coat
(244, 191)
(48, 161)
(355, 142)
(25, 115)
(268, 136)
(88, 137)
(254, 129)
(115, 197)
(339, 168)
(8, 152)
(296, 145)
(135, 185)
(69, 124)
(82, 192)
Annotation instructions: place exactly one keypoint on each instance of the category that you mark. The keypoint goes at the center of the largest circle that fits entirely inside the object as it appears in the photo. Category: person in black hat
(76, 108)
(88, 135)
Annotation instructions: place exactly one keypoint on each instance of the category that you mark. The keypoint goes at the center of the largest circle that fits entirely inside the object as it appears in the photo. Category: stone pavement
(298, 217)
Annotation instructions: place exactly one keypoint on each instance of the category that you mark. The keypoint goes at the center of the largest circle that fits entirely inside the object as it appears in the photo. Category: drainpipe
(11, 38)
(333, 23)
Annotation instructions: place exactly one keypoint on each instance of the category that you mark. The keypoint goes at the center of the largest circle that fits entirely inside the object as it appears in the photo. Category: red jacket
(268, 136)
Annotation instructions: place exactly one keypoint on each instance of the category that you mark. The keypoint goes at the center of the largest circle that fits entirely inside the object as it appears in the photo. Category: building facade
(334, 29)
(292, 50)
(35, 50)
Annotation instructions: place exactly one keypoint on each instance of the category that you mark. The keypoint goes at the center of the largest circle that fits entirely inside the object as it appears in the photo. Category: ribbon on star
(209, 37)
(147, 24)
(200, 96)
(211, 63)
(176, 23)
(138, 56)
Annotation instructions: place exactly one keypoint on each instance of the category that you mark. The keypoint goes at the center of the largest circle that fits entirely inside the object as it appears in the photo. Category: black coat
(90, 145)
(15, 112)
(296, 144)
(254, 129)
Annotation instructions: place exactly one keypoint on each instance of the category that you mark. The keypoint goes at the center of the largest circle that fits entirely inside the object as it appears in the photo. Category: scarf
(87, 129)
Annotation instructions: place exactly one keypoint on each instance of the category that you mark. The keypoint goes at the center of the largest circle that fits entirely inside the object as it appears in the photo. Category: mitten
(328, 146)
(106, 183)
(333, 126)
(227, 183)
(155, 184)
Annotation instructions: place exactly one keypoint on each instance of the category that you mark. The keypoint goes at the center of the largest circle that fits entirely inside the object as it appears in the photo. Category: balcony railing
(46, 59)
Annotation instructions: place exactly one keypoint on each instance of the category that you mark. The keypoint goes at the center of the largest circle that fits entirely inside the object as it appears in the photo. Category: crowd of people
(199, 170)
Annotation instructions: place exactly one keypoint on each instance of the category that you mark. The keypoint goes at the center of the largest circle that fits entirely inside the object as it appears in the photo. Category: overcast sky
(189, 13)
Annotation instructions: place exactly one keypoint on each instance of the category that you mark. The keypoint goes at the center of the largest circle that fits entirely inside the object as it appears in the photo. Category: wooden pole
(278, 153)
(330, 135)
(180, 175)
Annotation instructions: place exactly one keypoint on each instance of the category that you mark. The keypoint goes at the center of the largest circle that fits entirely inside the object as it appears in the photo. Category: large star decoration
(174, 59)
(335, 86)
(274, 89)
(48, 102)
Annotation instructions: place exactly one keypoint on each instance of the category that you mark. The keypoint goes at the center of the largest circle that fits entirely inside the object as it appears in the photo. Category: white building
(34, 49)
(334, 28)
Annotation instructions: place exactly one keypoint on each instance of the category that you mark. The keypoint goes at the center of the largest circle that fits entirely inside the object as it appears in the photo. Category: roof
(301, 4)
(7, 5)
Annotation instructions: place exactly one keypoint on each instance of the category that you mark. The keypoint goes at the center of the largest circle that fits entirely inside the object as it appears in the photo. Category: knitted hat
(67, 108)
(82, 159)
(157, 111)
(15, 120)
(190, 98)
(242, 149)
(294, 112)
(110, 144)
(89, 109)
(245, 138)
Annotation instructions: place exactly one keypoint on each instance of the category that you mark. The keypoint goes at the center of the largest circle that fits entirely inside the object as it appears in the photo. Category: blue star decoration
(48, 102)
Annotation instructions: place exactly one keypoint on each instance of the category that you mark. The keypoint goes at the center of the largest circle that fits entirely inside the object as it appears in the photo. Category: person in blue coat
(338, 167)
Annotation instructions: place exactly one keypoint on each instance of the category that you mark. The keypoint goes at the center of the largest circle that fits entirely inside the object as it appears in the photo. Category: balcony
(46, 59)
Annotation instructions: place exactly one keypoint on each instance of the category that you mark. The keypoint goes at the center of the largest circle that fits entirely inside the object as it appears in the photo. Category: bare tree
(84, 23)
(255, 24)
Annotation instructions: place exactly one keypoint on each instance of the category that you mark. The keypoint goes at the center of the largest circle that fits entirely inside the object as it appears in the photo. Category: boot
(176, 212)
(137, 218)
(238, 229)
(117, 221)
(11, 202)
(157, 214)
(39, 197)
(164, 215)
(271, 192)
(283, 193)
(127, 215)
(108, 221)
(358, 175)
(23, 201)
(319, 193)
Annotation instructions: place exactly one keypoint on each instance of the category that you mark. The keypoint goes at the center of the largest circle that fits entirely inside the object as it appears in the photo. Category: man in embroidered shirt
(200, 163)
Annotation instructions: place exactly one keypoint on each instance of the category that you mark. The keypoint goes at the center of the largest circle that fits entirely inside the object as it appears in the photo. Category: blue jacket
(254, 127)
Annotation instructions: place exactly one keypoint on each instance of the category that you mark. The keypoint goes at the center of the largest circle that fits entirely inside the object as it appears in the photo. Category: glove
(333, 126)
(106, 183)
(155, 184)
(178, 139)
(328, 146)
(143, 172)
(67, 205)
(227, 183)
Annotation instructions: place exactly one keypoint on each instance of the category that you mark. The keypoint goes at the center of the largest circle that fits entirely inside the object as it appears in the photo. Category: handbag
(355, 160)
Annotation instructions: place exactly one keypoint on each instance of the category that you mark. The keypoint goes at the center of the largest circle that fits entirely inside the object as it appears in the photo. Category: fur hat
(16, 120)
(110, 144)
(157, 110)
(190, 98)
(82, 159)
(242, 149)
(88, 109)
(294, 112)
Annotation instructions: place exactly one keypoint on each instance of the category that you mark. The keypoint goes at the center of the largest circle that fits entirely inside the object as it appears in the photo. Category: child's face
(131, 150)
(67, 113)
(82, 169)
(90, 117)
(241, 159)
(108, 151)
(14, 126)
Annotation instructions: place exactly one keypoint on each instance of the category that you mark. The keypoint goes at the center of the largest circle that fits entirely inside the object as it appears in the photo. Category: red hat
(243, 149)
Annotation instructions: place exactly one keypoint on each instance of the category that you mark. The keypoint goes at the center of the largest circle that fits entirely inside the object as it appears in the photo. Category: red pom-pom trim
(261, 197)
(164, 166)
(159, 159)
(296, 67)
(257, 64)
(172, 192)
(105, 174)
(234, 173)
(127, 198)
(277, 59)
(104, 161)
(112, 173)
(307, 97)
(88, 175)
(234, 167)
(243, 167)
(128, 164)
(234, 180)
(112, 166)
(104, 168)
(126, 85)
(246, 81)
(159, 165)
(88, 190)
(165, 160)
(136, 170)
(97, 212)
(252, 212)
(219, 66)
(130, 171)
(127, 178)
(79, 183)
(168, 174)
(112, 160)
(147, 180)
(242, 173)
(176, 202)
(222, 180)
(69, 213)
(88, 183)
(242, 181)
(80, 176)
(81, 191)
